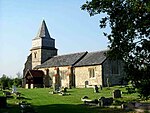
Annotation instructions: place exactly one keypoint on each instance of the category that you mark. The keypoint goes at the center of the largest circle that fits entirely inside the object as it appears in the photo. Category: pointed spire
(43, 31)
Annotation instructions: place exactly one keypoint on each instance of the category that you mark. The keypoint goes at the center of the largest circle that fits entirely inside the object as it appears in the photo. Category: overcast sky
(73, 29)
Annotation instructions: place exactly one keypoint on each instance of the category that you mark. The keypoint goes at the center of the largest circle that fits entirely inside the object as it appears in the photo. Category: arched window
(35, 54)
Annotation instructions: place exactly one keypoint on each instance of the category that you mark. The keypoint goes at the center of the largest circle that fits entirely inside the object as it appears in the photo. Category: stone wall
(27, 66)
(41, 55)
(48, 77)
(103, 75)
(42, 49)
(65, 74)
(61, 73)
(36, 42)
(82, 76)
(109, 75)
(36, 57)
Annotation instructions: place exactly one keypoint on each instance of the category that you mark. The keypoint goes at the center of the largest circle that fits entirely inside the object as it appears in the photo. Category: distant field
(44, 102)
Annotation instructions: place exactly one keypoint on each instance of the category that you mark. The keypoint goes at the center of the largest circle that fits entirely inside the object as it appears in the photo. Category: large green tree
(129, 38)
(5, 82)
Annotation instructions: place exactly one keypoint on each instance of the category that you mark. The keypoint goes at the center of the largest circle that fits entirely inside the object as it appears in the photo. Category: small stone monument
(105, 101)
(14, 89)
(96, 89)
(117, 93)
(86, 84)
(65, 90)
(101, 87)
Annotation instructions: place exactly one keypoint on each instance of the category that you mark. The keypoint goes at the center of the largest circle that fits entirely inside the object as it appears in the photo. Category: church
(45, 68)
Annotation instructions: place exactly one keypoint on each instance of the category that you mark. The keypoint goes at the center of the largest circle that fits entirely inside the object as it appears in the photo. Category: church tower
(43, 46)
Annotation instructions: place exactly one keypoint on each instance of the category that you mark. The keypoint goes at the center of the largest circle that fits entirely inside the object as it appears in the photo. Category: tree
(129, 38)
(5, 82)
(18, 80)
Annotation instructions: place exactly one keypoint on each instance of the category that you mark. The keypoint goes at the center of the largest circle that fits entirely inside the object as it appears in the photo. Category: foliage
(17, 82)
(129, 39)
(7, 82)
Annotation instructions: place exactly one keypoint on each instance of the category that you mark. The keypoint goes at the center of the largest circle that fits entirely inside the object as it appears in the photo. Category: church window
(91, 72)
(35, 54)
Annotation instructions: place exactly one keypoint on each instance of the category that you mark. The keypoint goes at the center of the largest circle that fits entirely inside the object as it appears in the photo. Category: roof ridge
(99, 51)
(70, 54)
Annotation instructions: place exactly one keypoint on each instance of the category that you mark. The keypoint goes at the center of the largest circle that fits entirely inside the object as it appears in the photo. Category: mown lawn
(44, 102)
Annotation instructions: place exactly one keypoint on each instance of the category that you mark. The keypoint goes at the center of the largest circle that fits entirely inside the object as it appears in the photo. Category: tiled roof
(35, 73)
(43, 31)
(92, 58)
(63, 60)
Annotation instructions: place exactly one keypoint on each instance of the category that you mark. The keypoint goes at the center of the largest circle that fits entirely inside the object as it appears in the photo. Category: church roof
(75, 59)
(92, 58)
(63, 60)
(34, 73)
(43, 31)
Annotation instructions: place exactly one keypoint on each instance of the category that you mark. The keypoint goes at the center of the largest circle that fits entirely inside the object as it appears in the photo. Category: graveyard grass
(44, 102)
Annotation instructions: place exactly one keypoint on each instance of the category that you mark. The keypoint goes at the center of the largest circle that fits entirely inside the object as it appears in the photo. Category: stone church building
(44, 68)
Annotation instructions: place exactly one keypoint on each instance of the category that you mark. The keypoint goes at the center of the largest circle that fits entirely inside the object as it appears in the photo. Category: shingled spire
(43, 31)
(43, 46)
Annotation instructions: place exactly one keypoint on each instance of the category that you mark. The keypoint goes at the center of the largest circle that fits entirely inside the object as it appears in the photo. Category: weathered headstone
(14, 89)
(26, 108)
(96, 89)
(123, 106)
(117, 93)
(86, 83)
(65, 89)
(105, 101)
(85, 97)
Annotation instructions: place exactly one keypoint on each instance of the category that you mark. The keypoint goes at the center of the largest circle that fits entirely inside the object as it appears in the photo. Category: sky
(72, 28)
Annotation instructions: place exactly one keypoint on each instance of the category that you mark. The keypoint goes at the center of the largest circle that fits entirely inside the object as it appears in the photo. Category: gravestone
(105, 101)
(14, 89)
(101, 87)
(85, 97)
(3, 102)
(65, 89)
(96, 89)
(86, 83)
(26, 108)
(117, 93)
